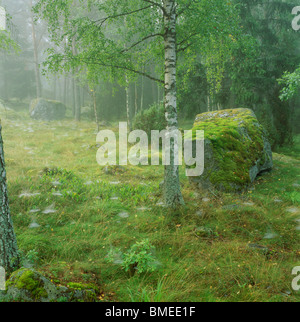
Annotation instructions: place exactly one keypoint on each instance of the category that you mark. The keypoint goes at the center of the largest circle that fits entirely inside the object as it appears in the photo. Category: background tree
(9, 256)
(267, 47)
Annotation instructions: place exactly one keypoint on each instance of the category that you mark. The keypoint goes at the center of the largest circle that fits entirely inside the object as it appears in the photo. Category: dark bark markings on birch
(9, 256)
(173, 196)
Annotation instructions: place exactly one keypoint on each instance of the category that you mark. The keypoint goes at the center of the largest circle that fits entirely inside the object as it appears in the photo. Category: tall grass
(202, 249)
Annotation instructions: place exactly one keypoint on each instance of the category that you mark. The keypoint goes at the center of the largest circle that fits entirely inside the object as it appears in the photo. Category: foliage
(269, 22)
(291, 83)
(149, 294)
(31, 258)
(265, 49)
(203, 28)
(6, 44)
(140, 258)
(150, 119)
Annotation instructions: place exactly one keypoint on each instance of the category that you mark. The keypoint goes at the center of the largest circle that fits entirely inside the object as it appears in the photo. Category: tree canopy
(114, 38)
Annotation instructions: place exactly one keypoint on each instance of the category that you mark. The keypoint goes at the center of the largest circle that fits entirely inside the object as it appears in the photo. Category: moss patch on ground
(27, 280)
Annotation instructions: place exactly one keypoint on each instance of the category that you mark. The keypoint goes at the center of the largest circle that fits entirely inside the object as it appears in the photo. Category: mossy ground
(202, 249)
(27, 281)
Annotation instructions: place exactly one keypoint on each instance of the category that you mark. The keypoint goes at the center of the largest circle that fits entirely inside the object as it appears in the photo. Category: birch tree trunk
(65, 89)
(77, 105)
(36, 58)
(73, 94)
(135, 99)
(142, 95)
(127, 103)
(95, 110)
(77, 102)
(173, 196)
(55, 87)
(9, 256)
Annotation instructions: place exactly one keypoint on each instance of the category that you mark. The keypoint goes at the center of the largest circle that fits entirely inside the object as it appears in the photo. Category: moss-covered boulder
(236, 149)
(31, 286)
(47, 110)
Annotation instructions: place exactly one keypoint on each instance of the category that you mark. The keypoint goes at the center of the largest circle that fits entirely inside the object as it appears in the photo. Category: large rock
(46, 110)
(236, 149)
(29, 285)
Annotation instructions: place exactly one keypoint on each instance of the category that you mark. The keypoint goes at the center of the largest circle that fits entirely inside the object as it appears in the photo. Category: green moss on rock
(47, 110)
(31, 286)
(28, 281)
(81, 286)
(87, 292)
(236, 148)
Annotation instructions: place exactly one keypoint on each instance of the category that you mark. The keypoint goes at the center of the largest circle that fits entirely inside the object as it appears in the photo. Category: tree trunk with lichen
(173, 196)
(9, 256)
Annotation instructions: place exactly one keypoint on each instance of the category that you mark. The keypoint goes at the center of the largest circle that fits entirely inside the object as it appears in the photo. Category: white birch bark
(36, 57)
(173, 196)
(9, 256)
(127, 103)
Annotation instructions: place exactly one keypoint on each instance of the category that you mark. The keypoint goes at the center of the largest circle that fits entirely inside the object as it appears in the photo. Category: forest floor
(218, 247)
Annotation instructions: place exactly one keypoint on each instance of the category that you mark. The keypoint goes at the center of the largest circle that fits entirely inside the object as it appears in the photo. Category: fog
(24, 77)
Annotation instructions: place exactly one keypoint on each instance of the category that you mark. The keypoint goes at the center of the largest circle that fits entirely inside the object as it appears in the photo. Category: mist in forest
(24, 76)
(149, 151)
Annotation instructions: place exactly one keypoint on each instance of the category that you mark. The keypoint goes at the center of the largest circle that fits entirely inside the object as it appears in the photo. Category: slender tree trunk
(9, 256)
(82, 96)
(158, 93)
(173, 196)
(59, 89)
(142, 94)
(135, 99)
(127, 103)
(208, 103)
(36, 58)
(95, 110)
(77, 106)
(4, 76)
(73, 95)
(65, 89)
(77, 103)
(54, 87)
(154, 94)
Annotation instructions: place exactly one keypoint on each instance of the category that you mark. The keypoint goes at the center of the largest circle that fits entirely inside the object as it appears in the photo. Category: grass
(202, 250)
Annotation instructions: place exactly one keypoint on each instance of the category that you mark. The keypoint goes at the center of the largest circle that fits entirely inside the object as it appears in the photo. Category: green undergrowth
(215, 248)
